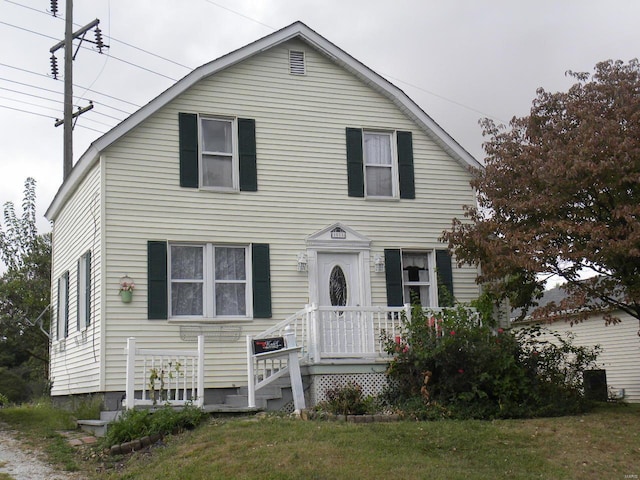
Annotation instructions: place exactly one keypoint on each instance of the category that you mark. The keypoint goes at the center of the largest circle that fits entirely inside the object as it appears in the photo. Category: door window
(337, 287)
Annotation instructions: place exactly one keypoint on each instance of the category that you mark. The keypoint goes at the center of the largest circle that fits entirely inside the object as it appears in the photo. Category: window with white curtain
(209, 281)
(380, 164)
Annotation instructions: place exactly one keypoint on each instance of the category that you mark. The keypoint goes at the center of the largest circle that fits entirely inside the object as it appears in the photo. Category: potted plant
(126, 289)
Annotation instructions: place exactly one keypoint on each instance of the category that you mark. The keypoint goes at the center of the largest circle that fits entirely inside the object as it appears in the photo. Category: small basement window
(296, 62)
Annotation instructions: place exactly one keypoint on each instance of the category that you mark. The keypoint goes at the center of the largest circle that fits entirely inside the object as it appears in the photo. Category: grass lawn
(604, 444)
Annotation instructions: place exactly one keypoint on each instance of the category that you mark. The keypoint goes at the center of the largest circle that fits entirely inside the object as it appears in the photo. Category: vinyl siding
(75, 362)
(302, 188)
(620, 355)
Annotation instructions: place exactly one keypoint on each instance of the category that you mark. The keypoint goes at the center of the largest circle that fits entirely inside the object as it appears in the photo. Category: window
(62, 330)
(218, 158)
(209, 281)
(217, 153)
(417, 278)
(413, 275)
(84, 291)
(379, 165)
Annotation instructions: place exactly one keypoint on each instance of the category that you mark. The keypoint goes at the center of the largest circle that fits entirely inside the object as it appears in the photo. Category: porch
(325, 345)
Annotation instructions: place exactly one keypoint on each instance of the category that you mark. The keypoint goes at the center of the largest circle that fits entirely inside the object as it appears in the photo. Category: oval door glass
(337, 287)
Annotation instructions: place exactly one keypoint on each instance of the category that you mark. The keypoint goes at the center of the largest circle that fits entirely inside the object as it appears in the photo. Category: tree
(560, 195)
(24, 298)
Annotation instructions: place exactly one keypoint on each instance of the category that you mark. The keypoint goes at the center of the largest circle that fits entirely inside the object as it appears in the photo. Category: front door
(339, 282)
(344, 331)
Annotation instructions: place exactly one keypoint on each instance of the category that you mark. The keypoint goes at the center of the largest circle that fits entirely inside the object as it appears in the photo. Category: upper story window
(209, 281)
(380, 165)
(217, 153)
(218, 159)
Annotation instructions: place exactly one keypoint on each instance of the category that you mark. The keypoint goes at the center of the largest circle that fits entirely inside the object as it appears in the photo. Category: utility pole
(69, 56)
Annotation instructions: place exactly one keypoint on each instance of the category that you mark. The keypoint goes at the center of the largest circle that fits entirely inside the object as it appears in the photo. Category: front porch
(328, 346)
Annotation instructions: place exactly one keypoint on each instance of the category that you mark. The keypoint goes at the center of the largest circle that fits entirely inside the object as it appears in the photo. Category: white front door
(344, 333)
(339, 279)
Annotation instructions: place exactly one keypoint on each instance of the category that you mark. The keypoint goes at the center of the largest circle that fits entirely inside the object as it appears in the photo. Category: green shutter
(157, 300)
(78, 294)
(261, 281)
(393, 273)
(444, 273)
(247, 154)
(355, 171)
(88, 289)
(188, 127)
(65, 281)
(405, 165)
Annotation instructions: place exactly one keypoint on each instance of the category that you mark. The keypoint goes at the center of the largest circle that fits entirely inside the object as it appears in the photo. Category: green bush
(455, 364)
(346, 400)
(137, 423)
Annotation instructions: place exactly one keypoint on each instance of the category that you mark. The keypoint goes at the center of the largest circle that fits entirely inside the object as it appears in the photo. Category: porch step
(97, 428)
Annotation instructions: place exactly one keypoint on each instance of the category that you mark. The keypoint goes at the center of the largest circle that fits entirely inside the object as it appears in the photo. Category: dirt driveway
(20, 462)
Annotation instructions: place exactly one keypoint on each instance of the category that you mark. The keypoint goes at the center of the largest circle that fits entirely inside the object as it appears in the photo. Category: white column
(131, 373)
(251, 386)
(294, 371)
(200, 401)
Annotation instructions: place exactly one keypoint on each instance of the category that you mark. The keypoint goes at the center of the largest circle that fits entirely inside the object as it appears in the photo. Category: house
(283, 177)
(619, 343)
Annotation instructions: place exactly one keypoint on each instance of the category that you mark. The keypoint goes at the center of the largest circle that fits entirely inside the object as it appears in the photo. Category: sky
(459, 60)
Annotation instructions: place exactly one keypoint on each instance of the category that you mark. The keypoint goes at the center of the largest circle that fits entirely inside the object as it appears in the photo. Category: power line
(48, 77)
(91, 49)
(50, 100)
(60, 93)
(241, 15)
(112, 39)
(51, 118)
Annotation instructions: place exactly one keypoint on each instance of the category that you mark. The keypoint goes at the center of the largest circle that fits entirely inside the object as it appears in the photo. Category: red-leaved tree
(560, 195)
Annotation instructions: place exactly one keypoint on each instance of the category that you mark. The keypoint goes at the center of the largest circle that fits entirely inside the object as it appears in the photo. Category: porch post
(315, 329)
(251, 387)
(294, 371)
(200, 401)
(131, 374)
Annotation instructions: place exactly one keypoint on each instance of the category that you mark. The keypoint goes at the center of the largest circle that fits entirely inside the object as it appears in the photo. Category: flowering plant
(127, 286)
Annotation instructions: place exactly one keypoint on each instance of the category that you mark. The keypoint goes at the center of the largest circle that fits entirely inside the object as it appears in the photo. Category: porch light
(378, 263)
(302, 262)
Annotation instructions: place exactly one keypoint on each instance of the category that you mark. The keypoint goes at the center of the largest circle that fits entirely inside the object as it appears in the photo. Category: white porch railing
(328, 334)
(264, 368)
(174, 377)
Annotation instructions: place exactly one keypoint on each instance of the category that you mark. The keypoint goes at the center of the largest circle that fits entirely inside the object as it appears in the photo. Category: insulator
(54, 67)
(99, 41)
(54, 7)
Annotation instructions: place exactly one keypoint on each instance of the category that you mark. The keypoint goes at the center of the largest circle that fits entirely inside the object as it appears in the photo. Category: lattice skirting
(371, 384)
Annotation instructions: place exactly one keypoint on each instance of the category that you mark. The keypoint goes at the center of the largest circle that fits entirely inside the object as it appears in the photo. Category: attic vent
(296, 62)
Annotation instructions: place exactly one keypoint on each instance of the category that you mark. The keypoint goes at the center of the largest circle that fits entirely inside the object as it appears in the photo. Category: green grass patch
(602, 444)
(39, 424)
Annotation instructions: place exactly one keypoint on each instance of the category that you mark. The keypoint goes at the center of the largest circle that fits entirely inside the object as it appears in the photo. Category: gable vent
(296, 62)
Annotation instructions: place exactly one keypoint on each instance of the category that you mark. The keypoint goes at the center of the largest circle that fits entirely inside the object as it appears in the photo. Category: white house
(619, 344)
(282, 175)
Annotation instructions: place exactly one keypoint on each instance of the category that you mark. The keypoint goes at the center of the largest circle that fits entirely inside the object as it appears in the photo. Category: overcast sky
(460, 60)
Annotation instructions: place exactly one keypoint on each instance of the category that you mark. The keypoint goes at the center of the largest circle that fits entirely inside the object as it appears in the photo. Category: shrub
(346, 400)
(455, 364)
(137, 423)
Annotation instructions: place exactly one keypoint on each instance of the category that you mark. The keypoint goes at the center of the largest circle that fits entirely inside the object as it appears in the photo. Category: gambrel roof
(297, 30)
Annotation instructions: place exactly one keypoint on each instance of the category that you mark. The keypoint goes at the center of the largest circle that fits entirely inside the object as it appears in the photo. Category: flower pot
(126, 296)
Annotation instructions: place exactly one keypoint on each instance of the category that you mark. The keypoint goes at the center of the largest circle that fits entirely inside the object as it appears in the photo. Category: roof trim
(295, 30)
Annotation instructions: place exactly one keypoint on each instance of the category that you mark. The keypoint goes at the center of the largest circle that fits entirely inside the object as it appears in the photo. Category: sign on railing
(266, 345)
